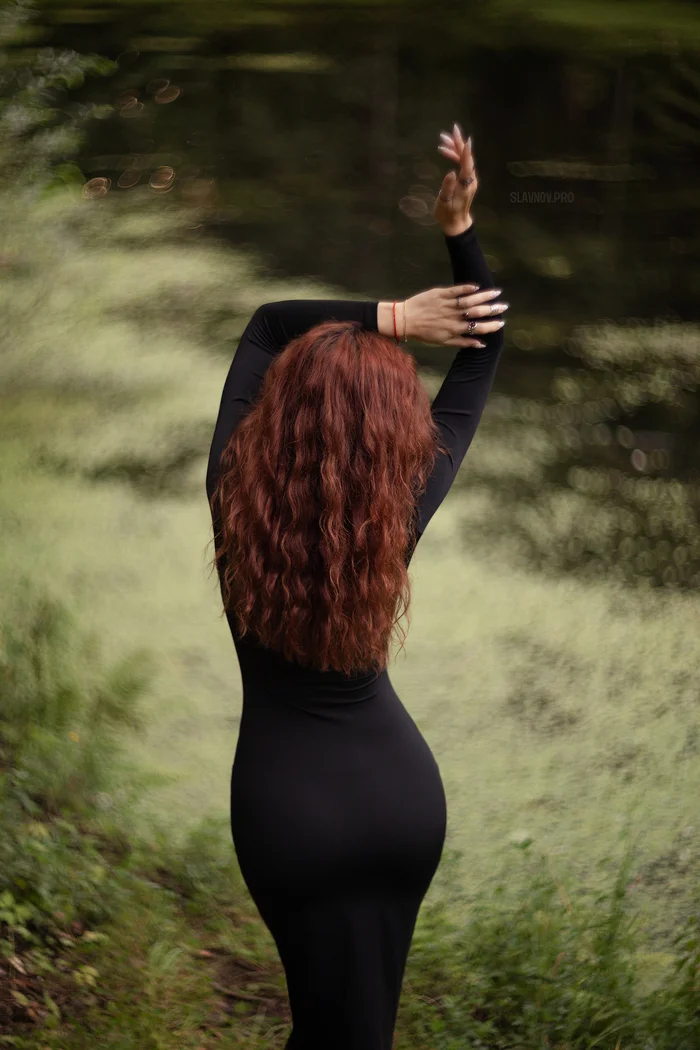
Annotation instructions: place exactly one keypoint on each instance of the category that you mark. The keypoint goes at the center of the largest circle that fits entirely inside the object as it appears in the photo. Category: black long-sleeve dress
(338, 812)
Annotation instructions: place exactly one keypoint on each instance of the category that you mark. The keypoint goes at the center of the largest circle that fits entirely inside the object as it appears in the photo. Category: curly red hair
(316, 497)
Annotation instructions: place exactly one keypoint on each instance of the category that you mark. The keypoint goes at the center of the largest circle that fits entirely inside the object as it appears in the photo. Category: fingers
(448, 187)
(465, 292)
(466, 162)
(448, 148)
(461, 289)
(464, 341)
(461, 337)
(476, 305)
(453, 147)
(485, 310)
(458, 138)
(484, 327)
(450, 153)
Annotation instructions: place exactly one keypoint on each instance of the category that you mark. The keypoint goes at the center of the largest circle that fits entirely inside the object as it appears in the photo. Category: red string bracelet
(396, 331)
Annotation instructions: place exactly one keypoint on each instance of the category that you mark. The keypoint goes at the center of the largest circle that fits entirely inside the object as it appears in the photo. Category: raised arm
(269, 330)
(433, 316)
(459, 403)
(274, 325)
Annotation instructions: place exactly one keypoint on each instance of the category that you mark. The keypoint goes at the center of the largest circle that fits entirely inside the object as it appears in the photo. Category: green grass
(123, 938)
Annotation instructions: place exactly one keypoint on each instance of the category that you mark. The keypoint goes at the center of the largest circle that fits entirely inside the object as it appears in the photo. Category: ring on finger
(471, 326)
(465, 315)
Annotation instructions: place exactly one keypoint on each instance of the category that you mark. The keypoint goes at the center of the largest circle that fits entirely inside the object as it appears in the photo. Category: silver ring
(458, 298)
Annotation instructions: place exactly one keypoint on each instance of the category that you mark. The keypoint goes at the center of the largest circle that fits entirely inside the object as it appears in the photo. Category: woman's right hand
(453, 203)
(437, 316)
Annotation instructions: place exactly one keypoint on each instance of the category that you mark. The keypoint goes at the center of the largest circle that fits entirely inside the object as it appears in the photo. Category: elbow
(264, 320)
(265, 311)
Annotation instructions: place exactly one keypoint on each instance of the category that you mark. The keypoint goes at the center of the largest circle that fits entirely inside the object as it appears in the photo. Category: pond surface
(308, 133)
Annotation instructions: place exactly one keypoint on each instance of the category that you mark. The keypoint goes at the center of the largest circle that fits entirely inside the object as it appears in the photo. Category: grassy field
(559, 711)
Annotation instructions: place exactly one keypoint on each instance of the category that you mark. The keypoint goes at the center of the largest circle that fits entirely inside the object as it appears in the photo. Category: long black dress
(338, 811)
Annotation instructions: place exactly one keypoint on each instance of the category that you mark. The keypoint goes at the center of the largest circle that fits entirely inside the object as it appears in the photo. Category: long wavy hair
(316, 497)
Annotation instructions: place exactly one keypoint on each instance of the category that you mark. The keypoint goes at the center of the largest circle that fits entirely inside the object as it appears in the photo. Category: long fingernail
(495, 291)
(469, 142)
(501, 323)
(482, 345)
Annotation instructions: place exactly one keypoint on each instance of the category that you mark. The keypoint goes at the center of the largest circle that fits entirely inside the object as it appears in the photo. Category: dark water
(310, 133)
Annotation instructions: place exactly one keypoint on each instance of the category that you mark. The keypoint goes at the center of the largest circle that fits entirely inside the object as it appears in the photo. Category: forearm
(280, 322)
(459, 404)
(466, 257)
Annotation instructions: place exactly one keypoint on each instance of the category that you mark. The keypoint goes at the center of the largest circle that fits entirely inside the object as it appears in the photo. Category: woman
(326, 465)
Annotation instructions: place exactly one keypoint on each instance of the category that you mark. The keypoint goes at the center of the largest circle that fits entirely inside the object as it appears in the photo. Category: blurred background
(164, 169)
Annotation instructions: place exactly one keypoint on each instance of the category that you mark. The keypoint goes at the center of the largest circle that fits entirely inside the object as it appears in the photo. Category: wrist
(386, 318)
(453, 229)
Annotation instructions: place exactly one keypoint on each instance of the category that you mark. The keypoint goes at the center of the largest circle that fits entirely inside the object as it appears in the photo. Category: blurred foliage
(125, 323)
(603, 477)
(101, 930)
(37, 137)
(52, 685)
(63, 774)
(537, 965)
(626, 25)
